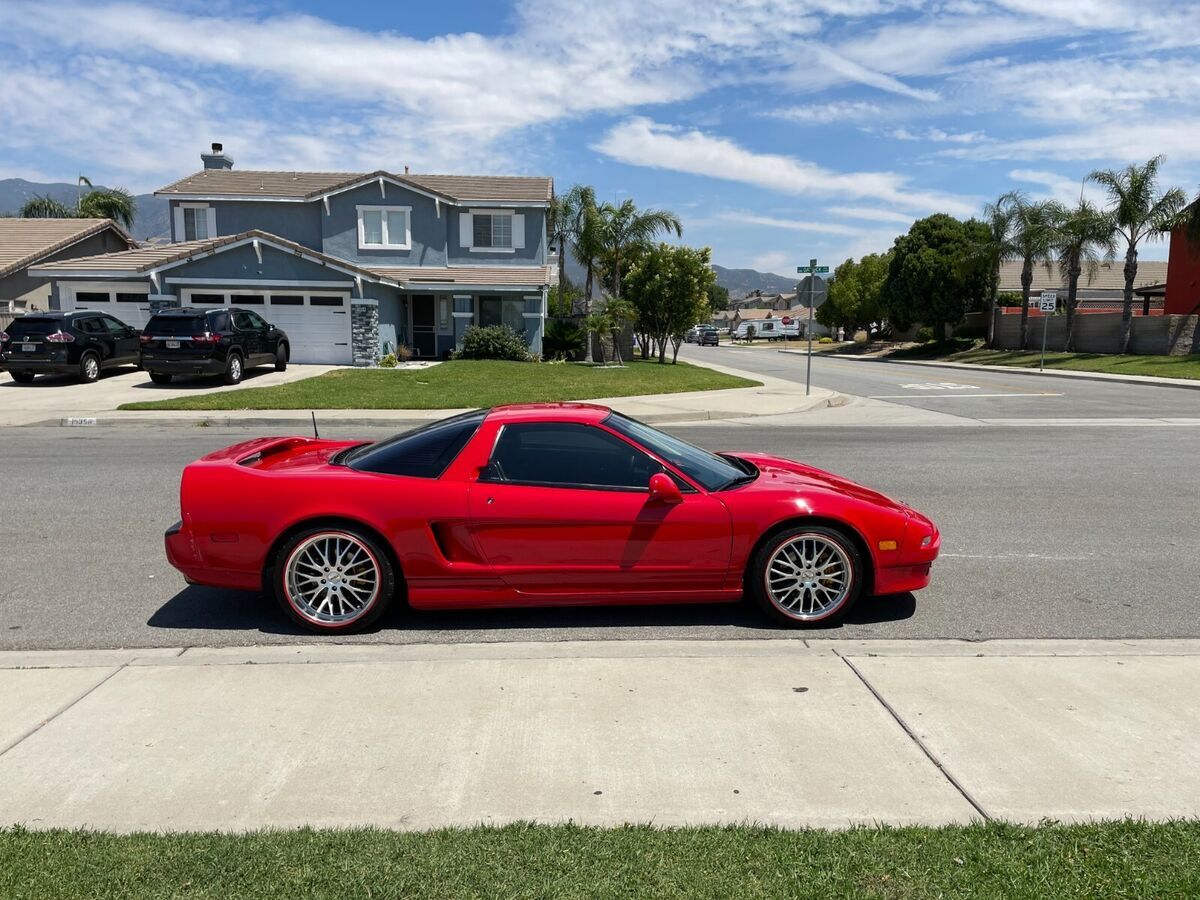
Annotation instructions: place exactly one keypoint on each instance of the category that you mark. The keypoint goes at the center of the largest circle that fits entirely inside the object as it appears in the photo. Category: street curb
(1151, 380)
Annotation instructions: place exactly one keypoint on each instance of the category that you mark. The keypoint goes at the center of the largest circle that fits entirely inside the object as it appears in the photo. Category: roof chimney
(217, 159)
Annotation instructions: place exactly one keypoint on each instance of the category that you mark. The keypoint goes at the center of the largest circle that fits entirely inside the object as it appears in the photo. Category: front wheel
(806, 576)
(281, 358)
(333, 580)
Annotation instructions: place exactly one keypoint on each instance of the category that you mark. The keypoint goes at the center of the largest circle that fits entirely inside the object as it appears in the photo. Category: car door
(563, 510)
(125, 340)
(95, 337)
(268, 338)
(249, 336)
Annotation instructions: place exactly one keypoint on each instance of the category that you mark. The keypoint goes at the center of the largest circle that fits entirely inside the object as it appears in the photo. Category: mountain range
(151, 221)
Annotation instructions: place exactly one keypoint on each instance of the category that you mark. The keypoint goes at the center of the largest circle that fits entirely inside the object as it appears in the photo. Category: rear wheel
(160, 377)
(281, 358)
(233, 369)
(89, 367)
(22, 377)
(806, 576)
(333, 580)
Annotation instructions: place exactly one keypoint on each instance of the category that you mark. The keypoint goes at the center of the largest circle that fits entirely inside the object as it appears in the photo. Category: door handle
(491, 500)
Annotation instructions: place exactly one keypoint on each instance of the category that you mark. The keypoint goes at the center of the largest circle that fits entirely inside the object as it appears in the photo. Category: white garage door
(128, 302)
(317, 323)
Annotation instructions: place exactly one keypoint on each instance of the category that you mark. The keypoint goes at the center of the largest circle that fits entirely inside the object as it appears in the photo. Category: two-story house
(350, 265)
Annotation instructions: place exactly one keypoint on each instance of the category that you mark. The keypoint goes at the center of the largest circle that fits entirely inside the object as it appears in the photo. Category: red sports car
(537, 505)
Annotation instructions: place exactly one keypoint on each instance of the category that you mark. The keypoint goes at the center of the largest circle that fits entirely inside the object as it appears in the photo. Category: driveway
(53, 397)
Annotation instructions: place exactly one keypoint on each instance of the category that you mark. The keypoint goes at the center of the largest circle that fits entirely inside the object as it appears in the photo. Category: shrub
(493, 342)
(562, 340)
(388, 362)
(826, 340)
(403, 353)
(924, 334)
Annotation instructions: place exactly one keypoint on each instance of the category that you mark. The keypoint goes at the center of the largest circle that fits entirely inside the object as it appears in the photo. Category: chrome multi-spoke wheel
(807, 575)
(332, 579)
(89, 367)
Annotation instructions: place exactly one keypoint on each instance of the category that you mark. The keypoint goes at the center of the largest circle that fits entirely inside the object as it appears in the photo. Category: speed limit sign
(1048, 302)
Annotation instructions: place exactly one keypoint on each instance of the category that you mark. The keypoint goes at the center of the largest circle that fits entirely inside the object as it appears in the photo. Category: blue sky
(777, 130)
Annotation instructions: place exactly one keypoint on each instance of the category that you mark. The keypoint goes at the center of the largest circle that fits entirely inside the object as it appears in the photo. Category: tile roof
(499, 275)
(312, 185)
(24, 241)
(1109, 276)
(144, 259)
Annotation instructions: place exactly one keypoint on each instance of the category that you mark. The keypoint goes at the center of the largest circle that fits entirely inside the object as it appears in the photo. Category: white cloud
(1117, 140)
(1052, 186)
(937, 136)
(774, 261)
(642, 142)
(870, 214)
(834, 111)
(746, 218)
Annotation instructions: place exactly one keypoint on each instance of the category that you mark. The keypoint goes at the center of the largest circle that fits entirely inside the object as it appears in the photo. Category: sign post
(813, 271)
(1047, 303)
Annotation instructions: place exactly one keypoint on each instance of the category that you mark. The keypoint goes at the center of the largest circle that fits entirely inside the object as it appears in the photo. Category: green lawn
(461, 383)
(1163, 366)
(1121, 859)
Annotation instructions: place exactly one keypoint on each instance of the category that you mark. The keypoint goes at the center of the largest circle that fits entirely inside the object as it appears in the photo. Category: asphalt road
(975, 394)
(1086, 531)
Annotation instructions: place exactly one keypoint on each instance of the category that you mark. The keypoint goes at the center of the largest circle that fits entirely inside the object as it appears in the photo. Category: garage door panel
(317, 332)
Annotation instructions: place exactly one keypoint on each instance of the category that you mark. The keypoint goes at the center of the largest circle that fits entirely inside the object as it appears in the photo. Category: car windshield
(712, 472)
(176, 325)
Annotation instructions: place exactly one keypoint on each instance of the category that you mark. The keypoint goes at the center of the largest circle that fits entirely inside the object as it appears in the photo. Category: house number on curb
(941, 386)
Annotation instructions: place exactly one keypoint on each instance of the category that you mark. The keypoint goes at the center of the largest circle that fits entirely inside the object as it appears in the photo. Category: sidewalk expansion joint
(46, 721)
(929, 754)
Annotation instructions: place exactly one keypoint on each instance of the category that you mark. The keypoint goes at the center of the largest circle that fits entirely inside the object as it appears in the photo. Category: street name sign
(813, 270)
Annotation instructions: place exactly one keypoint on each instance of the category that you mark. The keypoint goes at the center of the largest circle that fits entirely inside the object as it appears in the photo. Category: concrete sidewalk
(1187, 384)
(793, 733)
(775, 397)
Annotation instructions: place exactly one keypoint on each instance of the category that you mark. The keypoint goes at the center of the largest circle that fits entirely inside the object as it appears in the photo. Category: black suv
(70, 343)
(224, 342)
(706, 336)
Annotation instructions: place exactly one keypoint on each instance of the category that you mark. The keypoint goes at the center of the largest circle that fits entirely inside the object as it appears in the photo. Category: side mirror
(664, 489)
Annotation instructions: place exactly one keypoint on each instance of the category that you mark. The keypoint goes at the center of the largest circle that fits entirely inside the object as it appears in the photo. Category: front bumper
(910, 569)
(168, 366)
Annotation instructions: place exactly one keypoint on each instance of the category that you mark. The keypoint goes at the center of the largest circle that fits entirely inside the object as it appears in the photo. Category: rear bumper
(184, 553)
(168, 366)
(40, 366)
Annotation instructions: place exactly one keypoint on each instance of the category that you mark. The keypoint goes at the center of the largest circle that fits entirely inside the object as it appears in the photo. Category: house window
(492, 231)
(195, 223)
(502, 311)
(384, 227)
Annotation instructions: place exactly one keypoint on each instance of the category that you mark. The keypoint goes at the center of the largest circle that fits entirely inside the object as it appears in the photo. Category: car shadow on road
(203, 382)
(204, 608)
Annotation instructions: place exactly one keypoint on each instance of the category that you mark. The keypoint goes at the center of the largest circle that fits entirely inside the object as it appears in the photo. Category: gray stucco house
(25, 243)
(350, 265)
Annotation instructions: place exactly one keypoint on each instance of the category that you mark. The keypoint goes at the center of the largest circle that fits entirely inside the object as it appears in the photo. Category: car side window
(256, 321)
(88, 326)
(242, 321)
(114, 326)
(218, 322)
(571, 455)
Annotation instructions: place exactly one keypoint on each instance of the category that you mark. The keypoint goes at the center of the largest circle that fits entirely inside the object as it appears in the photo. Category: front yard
(461, 384)
(1114, 859)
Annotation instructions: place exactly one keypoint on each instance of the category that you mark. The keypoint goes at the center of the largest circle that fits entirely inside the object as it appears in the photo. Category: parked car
(537, 505)
(708, 337)
(224, 342)
(694, 334)
(67, 343)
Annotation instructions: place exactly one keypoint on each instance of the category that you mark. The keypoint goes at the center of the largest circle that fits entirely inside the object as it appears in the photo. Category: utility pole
(812, 269)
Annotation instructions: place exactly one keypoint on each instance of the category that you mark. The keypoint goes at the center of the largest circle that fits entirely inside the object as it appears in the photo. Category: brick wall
(364, 332)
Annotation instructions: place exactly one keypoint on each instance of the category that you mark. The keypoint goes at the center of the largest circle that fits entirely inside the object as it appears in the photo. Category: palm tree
(587, 245)
(625, 226)
(108, 203)
(1140, 213)
(562, 222)
(1078, 237)
(999, 247)
(1031, 244)
(620, 312)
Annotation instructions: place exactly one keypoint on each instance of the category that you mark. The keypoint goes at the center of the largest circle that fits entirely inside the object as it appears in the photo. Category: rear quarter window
(423, 453)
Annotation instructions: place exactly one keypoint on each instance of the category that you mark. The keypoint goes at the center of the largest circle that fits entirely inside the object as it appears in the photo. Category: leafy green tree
(621, 314)
(562, 224)
(855, 293)
(1140, 213)
(562, 340)
(718, 297)
(668, 287)
(989, 254)
(928, 280)
(111, 203)
(626, 226)
(1078, 238)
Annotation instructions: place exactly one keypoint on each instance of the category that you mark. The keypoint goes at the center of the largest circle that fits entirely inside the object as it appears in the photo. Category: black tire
(160, 377)
(820, 535)
(22, 377)
(300, 613)
(234, 369)
(281, 358)
(89, 367)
